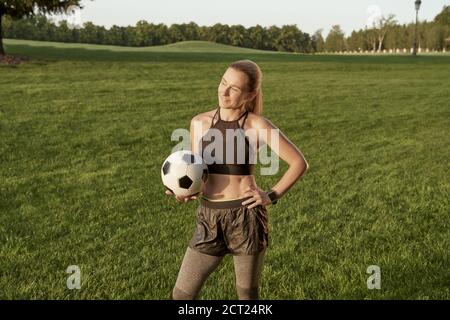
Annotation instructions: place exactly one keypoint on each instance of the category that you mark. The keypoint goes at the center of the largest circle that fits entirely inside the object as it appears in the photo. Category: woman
(232, 216)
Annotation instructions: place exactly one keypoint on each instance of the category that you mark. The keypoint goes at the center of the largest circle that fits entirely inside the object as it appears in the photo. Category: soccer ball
(183, 173)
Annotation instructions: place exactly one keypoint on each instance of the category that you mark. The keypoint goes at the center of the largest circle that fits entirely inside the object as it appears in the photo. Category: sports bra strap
(246, 114)
(237, 120)
(212, 120)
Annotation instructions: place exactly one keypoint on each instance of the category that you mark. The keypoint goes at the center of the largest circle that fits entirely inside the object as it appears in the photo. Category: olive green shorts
(229, 227)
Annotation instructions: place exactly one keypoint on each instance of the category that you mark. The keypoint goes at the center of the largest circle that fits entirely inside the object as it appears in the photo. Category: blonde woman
(232, 217)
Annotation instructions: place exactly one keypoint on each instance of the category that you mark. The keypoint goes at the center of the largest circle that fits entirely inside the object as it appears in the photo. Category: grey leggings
(197, 266)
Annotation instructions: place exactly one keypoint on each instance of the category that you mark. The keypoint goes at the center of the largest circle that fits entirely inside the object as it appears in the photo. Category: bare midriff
(220, 187)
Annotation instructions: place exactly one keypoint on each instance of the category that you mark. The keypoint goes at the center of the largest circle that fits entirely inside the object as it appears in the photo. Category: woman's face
(233, 91)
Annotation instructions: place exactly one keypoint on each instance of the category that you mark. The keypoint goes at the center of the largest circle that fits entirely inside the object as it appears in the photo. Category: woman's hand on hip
(258, 197)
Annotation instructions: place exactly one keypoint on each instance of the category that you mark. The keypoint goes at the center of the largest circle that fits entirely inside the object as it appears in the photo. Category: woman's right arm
(194, 148)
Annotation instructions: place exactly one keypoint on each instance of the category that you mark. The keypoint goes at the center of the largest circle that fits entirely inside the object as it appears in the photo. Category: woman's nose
(225, 91)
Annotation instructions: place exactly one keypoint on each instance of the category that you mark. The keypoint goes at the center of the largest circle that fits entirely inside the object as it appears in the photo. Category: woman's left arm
(286, 151)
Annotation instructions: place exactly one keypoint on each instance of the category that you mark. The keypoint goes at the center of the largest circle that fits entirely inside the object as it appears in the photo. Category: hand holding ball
(182, 174)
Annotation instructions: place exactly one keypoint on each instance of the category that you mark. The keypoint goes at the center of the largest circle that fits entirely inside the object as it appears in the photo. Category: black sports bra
(219, 166)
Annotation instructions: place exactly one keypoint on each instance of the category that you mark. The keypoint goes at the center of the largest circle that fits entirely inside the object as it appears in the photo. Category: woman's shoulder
(257, 121)
(204, 116)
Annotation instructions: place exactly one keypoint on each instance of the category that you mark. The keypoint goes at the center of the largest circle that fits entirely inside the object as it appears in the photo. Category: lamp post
(417, 3)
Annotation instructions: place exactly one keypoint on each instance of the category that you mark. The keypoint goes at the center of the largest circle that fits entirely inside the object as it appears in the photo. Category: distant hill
(183, 46)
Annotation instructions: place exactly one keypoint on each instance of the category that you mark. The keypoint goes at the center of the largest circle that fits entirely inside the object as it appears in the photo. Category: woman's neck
(231, 114)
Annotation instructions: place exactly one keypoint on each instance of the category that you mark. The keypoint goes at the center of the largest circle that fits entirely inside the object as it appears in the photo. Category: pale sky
(309, 16)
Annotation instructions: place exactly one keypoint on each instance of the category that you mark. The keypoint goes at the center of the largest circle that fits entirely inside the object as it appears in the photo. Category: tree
(22, 29)
(88, 33)
(219, 33)
(442, 22)
(144, 33)
(258, 36)
(291, 39)
(394, 38)
(17, 9)
(161, 34)
(371, 38)
(432, 36)
(191, 31)
(381, 26)
(238, 36)
(335, 40)
(272, 34)
(63, 32)
(130, 39)
(443, 18)
(317, 41)
(115, 36)
(177, 32)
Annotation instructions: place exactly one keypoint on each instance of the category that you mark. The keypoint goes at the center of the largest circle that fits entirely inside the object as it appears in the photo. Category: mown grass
(83, 134)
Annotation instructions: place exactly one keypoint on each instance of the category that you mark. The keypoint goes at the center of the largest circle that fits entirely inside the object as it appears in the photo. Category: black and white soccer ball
(183, 173)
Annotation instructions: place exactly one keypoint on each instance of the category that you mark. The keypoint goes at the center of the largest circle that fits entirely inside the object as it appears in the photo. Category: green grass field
(84, 131)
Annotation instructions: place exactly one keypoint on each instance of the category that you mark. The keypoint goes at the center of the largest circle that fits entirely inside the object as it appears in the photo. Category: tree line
(385, 34)
(286, 38)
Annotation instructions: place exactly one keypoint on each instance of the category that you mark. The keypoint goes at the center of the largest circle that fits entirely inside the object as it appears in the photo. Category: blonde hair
(254, 74)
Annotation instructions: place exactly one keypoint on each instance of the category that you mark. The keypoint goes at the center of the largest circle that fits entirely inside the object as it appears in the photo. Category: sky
(309, 16)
